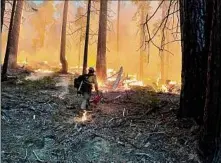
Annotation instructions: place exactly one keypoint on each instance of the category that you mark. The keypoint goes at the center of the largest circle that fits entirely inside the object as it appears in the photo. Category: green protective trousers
(86, 100)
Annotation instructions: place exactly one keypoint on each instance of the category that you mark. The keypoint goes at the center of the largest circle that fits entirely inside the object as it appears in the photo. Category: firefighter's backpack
(81, 83)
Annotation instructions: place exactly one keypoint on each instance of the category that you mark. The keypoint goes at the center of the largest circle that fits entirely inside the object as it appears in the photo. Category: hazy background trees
(80, 24)
(143, 9)
(118, 24)
(46, 23)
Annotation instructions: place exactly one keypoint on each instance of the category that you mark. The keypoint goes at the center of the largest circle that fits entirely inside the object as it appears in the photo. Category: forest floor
(38, 124)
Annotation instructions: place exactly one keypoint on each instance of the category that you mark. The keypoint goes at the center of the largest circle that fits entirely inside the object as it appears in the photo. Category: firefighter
(91, 80)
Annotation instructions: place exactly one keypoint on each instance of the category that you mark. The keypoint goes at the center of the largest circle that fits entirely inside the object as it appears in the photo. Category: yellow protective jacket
(92, 79)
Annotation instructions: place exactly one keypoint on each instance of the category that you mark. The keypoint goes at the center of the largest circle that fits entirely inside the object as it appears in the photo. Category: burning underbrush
(116, 80)
(169, 87)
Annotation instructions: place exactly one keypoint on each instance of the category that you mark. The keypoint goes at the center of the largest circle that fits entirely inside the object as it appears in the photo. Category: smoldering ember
(103, 81)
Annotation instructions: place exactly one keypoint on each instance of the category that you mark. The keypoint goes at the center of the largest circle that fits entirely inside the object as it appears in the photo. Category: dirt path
(38, 125)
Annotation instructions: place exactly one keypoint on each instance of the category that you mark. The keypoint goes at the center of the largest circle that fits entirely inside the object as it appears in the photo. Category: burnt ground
(38, 125)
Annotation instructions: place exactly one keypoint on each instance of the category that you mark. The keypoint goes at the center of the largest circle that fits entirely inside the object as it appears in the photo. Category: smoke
(44, 42)
(63, 81)
(63, 84)
(39, 74)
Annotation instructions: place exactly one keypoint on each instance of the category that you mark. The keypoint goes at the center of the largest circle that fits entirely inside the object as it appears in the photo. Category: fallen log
(116, 83)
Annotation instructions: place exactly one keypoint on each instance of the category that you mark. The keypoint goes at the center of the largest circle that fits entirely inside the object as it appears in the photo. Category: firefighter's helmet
(91, 70)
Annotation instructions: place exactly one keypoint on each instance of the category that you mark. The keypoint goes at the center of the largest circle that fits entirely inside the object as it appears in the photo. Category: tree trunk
(162, 76)
(86, 38)
(164, 55)
(211, 138)
(9, 42)
(79, 52)
(63, 60)
(101, 47)
(166, 5)
(2, 13)
(118, 26)
(167, 59)
(194, 59)
(80, 11)
(15, 34)
(141, 42)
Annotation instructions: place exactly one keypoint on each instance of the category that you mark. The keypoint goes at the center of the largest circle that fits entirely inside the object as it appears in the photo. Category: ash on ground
(137, 125)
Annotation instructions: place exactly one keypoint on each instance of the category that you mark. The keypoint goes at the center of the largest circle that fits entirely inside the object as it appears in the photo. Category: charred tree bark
(15, 34)
(2, 12)
(101, 47)
(9, 43)
(118, 26)
(86, 38)
(211, 140)
(63, 60)
(194, 59)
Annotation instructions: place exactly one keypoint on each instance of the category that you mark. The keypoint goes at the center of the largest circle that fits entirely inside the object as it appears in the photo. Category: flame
(110, 72)
(164, 88)
(172, 82)
(22, 63)
(84, 117)
(103, 86)
(171, 86)
(43, 71)
(81, 119)
(158, 80)
(133, 82)
(45, 62)
(123, 85)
